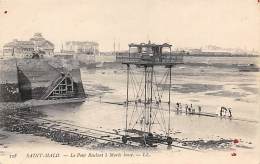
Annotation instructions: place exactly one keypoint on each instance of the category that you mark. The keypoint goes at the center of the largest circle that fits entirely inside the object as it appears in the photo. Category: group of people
(189, 109)
(225, 112)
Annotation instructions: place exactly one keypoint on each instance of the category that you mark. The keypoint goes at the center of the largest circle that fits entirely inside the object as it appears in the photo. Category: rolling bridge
(147, 97)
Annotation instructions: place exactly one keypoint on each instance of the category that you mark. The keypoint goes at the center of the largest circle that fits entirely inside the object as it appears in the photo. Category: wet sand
(204, 86)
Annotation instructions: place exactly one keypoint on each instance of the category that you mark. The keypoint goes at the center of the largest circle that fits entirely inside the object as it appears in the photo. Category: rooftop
(16, 43)
(149, 44)
(37, 39)
(82, 43)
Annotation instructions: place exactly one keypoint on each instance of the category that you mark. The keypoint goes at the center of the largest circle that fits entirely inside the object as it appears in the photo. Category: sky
(183, 23)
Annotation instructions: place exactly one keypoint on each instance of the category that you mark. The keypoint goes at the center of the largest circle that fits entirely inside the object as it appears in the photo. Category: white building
(84, 51)
(86, 47)
(26, 48)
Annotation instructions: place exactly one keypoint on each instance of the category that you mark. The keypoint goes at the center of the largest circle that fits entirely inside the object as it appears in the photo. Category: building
(84, 51)
(41, 44)
(25, 49)
(86, 47)
(18, 48)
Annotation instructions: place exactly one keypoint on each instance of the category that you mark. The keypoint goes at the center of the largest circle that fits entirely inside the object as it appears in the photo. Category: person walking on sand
(180, 107)
(191, 108)
(186, 108)
(220, 113)
(177, 107)
(199, 109)
(225, 112)
(230, 112)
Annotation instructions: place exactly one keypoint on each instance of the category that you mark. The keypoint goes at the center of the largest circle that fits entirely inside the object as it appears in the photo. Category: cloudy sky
(184, 23)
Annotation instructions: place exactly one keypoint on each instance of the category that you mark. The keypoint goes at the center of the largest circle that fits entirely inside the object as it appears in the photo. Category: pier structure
(144, 104)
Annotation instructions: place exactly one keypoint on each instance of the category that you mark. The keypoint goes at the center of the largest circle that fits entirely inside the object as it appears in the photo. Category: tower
(147, 97)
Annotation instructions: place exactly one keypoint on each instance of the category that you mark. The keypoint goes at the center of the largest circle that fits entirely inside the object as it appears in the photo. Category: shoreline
(38, 103)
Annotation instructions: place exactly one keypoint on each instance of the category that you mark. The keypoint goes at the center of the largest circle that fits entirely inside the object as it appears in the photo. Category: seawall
(25, 79)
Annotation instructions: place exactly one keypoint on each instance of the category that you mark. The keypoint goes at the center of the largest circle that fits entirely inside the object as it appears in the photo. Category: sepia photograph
(129, 81)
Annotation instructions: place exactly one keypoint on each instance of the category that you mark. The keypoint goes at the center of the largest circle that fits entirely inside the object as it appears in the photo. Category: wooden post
(127, 96)
(151, 101)
(145, 80)
(170, 85)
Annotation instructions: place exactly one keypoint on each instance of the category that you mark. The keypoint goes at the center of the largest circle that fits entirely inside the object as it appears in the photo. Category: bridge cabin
(149, 54)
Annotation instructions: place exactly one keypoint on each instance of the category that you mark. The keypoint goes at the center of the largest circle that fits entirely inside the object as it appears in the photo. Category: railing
(50, 88)
(159, 59)
(69, 94)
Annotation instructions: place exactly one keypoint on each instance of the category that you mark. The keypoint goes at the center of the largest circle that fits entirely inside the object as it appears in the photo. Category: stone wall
(28, 78)
(9, 88)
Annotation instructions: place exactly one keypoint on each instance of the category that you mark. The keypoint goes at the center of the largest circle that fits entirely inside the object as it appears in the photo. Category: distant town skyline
(186, 23)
